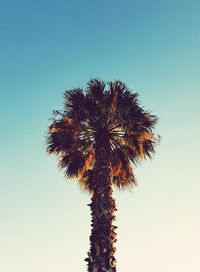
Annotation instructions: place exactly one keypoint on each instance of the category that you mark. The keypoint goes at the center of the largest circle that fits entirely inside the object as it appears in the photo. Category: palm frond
(75, 163)
(75, 104)
(72, 163)
(61, 136)
(95, 89)
(123, 176)
(87, 181)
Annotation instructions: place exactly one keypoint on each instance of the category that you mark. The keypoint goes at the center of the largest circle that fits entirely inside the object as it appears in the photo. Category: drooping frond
(75, 163)
(123, 176)
(62, 135)
(72, 163)
(87, 181)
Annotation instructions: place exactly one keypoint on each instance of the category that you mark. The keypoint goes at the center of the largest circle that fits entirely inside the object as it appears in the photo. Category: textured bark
(103, 236)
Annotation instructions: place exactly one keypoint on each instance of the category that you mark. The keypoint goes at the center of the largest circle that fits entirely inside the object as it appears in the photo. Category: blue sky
(49, 46)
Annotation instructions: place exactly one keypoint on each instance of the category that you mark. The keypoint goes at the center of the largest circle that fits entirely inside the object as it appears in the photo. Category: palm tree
(98, 136)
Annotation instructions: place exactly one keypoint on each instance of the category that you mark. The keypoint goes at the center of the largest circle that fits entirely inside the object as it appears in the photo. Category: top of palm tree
(108, 115)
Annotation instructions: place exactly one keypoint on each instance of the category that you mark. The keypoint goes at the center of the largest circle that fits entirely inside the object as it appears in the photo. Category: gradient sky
(52, 45)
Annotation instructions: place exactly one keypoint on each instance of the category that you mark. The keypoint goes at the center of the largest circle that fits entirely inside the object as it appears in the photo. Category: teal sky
(49, 46)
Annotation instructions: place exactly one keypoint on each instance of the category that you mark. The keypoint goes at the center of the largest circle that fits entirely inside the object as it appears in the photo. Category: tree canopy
(107, 114)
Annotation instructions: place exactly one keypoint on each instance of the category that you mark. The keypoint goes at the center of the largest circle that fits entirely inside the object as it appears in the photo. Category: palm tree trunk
(101, 256)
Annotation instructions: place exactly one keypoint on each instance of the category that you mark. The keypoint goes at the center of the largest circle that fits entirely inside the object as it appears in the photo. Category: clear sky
(52, 45)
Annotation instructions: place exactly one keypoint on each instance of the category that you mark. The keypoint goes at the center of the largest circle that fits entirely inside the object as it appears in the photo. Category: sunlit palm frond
(62, 135)
(75, 163)
(123, 176)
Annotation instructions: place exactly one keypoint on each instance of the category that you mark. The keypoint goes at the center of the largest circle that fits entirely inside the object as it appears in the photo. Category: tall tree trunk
(103, 236)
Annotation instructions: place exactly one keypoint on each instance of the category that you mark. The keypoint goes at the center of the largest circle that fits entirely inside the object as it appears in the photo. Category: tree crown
(107, 115)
